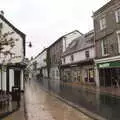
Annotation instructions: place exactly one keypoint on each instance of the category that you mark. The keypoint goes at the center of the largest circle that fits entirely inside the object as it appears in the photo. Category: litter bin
(15, 93)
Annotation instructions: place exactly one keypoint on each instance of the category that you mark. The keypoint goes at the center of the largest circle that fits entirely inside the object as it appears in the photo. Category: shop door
(17, 78)
(107, 77)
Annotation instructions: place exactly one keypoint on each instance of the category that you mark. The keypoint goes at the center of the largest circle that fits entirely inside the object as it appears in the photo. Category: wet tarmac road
(40, 105)
(104, 105)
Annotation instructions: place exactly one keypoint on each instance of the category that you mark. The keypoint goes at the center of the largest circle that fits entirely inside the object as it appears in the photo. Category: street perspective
(60, 60)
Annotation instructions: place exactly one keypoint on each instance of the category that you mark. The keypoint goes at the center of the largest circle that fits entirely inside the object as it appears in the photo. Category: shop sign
(104, 65)
(109, 64)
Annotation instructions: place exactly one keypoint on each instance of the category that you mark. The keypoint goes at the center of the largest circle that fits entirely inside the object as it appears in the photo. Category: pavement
(40, 105)
(18, 114)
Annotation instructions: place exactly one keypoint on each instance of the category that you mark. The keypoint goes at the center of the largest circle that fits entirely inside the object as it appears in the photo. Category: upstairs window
(64, 60)
(87, 54)
(102, 23)
(72, 58)
(117, 15)
(118, 37)
(104, 46)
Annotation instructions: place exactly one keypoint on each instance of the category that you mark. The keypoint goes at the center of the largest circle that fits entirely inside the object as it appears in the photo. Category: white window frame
(118, 38)
(102, 22)
(117, 15)
(102, 46)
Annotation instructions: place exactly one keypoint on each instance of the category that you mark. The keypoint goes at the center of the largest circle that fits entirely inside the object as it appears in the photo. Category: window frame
(117, 15)
(103, 48)
(72, 58)
(102, 23)
(87, 54)
(118, 40)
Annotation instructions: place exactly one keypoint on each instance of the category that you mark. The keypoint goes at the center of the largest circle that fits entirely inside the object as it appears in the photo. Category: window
(64, 60)
(117, 15)
(1, 25)
(118, 37)
(87, 54)
(72, 58)
(57, 73)
(102, 23)
(105, 47)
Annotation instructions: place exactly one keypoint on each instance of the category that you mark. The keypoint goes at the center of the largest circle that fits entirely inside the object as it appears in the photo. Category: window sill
(105, 55)
(103, 29)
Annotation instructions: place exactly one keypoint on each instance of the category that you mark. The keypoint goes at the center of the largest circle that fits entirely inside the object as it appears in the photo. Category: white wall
(79, 56)
(4, 80)
(22, 80)
(11, 79)
(17, 49)
(41, 59)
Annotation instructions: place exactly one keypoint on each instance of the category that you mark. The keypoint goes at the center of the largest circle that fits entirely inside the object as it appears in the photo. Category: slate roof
(83, 42)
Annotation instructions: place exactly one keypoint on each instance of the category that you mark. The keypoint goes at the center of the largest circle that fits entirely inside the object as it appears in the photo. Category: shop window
(91, 75)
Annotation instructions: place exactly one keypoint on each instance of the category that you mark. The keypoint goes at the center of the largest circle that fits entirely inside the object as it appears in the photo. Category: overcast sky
(44, 21)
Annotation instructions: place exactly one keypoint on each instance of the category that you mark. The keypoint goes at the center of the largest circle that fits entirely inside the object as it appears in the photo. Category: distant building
(107, 44)
(78, 60)
(12, 65)
(41, 62)
(55, 51)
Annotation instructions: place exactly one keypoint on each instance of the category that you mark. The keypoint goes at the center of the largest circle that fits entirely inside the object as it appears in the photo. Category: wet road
(104, 105)
(40, 105)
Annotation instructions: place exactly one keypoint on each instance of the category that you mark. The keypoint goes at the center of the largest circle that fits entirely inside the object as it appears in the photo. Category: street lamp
(29, 44)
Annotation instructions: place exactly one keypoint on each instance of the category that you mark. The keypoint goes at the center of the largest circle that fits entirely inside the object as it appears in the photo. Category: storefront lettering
(104, 65)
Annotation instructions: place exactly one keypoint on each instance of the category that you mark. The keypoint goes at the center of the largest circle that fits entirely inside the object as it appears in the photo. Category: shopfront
(109, 74)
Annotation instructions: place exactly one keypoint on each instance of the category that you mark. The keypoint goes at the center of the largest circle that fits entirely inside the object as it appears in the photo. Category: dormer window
(102, 23)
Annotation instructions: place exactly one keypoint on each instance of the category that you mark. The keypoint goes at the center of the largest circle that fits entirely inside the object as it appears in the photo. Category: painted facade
(55, 52)
(12, 65)
(78, 60)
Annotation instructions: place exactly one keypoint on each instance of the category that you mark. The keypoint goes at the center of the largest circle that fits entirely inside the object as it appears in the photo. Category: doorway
(17, 78)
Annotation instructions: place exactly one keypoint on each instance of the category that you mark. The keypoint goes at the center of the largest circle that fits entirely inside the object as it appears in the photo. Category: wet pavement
(19, 113)
(103, 104)
(7, 108)
(40, 105)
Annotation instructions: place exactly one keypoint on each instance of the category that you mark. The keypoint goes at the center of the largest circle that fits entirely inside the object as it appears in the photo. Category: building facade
(78, 60)
(107, 44)
(12, 56)
(41, 61)
(55, 51)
